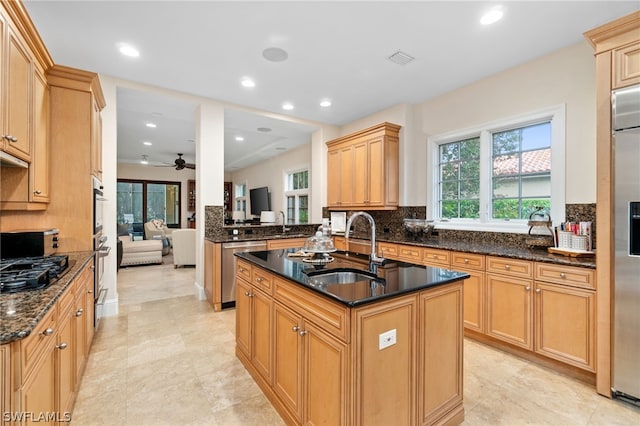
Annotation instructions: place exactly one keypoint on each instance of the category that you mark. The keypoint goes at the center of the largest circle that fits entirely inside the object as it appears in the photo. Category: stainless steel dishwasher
(229, 267)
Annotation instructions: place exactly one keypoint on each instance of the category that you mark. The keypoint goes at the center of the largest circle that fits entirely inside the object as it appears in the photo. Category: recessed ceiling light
(128, 50)
(152, 125)
(239, 138)
(492, 16)
(263, 129)
(287, 106)
(275, 54)
(325, 103)
(247, 82)
(147, 143)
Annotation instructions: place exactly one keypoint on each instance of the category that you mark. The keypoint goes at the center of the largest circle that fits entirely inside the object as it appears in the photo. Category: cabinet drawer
(467, 260)
(42, 336)
(512, 267)
(286, 243)
(340, 243)
(262, 280)
(568, 275)
(388, 250)
(436, 257)
(66, 300)
(330, 316)
(243, 270)
(411, 254)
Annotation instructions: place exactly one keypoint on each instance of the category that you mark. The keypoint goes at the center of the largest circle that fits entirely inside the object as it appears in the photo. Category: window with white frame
(494, 176)
(240, 197)
(296, 193)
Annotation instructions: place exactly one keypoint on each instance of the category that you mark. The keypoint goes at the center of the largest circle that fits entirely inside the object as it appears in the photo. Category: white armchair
(184, 247)
(157, 228)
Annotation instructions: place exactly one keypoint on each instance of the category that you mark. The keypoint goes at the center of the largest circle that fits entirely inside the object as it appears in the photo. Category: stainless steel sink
(341, 276)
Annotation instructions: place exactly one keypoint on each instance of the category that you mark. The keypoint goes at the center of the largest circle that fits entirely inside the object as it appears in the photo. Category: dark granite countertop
(20, 312)
(485, 247)
(401, 278)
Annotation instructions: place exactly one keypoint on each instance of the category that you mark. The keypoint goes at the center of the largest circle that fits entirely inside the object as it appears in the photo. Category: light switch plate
(386, 339)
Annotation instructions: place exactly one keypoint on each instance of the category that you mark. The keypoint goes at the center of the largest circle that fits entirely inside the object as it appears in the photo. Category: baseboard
(110, 308)
(199, 291)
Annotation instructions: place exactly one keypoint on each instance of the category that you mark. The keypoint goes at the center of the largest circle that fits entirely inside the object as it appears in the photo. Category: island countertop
(397, 278)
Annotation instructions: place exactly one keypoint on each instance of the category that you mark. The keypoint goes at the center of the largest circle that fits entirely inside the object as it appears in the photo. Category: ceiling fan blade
(190, 166)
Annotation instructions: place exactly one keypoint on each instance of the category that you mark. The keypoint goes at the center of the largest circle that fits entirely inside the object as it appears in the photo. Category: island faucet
(374, 260)
(284, 228)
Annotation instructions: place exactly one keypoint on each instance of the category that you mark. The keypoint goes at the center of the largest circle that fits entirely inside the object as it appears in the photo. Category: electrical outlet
(235, 232)
(386, 339)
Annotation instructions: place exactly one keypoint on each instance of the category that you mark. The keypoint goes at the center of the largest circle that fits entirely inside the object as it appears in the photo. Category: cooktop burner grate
(31, 273)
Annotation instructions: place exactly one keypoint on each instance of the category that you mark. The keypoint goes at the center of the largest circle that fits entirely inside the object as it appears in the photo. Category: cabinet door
(626, 66)
(66, 370)
(243, 317)
(18, 98)
(440, 371)
(38, 392)
(376, 177)
(81, 350)
(5, 365)
(261, 334)
(326, 378)
(334, 178)
(287, 353)
(360, 171)
(208, 270)
(509, 310)
(565, 324)
(474, 300)
(39, 169)
(347, 181)
(89, 310)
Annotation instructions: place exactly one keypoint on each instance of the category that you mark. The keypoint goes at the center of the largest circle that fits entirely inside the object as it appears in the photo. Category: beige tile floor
(168, 359)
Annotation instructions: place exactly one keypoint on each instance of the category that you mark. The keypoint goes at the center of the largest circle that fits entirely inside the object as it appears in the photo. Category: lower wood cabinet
(47, 368)
(474, 303)
(509, 310)
(565, 324)
(286, 243)
(327, 363)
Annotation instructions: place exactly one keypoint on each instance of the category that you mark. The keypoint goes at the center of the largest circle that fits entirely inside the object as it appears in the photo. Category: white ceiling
(336, 50)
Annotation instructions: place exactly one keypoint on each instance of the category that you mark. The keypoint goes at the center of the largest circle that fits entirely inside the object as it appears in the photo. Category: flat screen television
(260, 200)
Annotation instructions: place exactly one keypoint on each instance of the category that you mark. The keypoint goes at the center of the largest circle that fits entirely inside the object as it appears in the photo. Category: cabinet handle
(435, 256)
(466, 260)
(241, 269)
(248, 294)
(79, 312)
(537, 290)
(259, 279)
(527, 288)
(295, 328)
(303, 332)
(37, 192)
(47, 332)
(563, 275)
(11, 138)
(62, 346)
(507, 267)
(89, 291)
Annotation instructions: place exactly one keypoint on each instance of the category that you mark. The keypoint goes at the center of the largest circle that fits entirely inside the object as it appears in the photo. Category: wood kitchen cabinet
(363, 169)
(96, 138)
(253, 324)
(286, 243)
(213, 274)
(5, 381)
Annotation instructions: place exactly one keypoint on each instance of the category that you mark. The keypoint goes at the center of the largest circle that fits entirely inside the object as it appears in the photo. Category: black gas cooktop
(31, 273)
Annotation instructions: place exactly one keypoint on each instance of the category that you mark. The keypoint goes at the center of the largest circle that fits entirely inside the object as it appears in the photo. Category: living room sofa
(140, 252)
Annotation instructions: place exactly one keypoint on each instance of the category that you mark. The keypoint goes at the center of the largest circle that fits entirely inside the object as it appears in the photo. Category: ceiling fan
(180, 163)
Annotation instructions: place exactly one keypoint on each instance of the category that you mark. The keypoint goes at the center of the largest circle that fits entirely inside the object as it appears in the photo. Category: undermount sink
(341, 276)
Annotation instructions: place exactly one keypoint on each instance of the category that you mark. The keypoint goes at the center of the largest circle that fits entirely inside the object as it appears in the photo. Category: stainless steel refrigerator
(626, 226)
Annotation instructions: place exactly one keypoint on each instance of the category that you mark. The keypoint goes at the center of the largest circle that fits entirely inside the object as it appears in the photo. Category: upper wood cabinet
(363, 169)
(24, 111)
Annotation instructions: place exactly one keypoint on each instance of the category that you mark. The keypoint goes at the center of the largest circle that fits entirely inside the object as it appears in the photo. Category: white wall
(565, 77)
(139, 171)
(270, 173)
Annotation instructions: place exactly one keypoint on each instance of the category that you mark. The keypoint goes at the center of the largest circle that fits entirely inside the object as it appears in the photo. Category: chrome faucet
(284, 228)
(374, 260)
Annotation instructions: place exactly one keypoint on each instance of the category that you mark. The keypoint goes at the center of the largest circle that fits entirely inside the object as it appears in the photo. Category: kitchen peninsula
(382, 350)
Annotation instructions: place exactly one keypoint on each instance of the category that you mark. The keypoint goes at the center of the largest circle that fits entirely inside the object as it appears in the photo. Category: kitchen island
(377, 351)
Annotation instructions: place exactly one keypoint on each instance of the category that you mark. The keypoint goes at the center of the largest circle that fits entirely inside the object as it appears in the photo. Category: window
(142, 201)
(240, 197)
(494, 176)
(296, 194)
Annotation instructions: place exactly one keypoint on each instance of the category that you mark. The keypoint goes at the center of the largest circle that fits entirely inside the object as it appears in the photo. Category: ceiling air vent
(401, 58)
